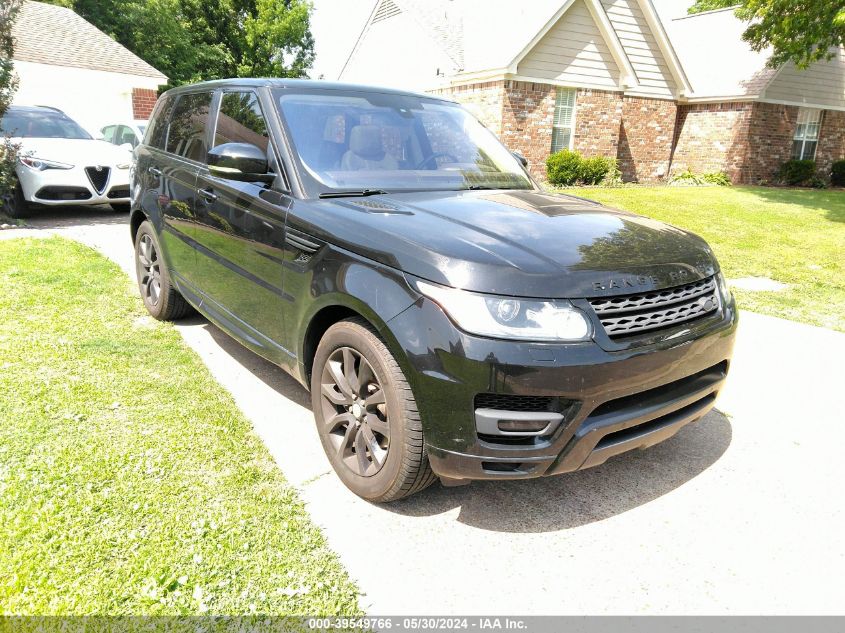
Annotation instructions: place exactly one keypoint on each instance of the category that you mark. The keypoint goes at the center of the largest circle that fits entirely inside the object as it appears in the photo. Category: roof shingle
(49, 34)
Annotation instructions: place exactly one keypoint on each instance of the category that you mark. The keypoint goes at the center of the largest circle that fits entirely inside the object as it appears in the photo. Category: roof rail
(54, 108)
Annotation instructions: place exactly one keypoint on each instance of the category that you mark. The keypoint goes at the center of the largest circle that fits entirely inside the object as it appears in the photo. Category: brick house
(66, 62)
(612, 78)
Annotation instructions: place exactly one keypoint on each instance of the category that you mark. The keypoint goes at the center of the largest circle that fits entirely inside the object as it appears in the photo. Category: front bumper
(604, 401)
(58, 187)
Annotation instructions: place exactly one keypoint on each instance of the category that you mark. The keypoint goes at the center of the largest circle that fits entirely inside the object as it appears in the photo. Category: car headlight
(40, 164)
(724, 290)
(510, 317)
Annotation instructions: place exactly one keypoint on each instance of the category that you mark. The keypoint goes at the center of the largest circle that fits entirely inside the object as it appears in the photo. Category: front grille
(118, 192)
(629, 315)
(57, 192)
(99, 179)
(508, 402)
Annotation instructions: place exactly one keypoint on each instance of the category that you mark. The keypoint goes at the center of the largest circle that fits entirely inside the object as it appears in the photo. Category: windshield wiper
(353, 194)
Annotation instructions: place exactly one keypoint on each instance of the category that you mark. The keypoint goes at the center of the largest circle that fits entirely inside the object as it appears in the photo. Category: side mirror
(523, 161)
(239, 161)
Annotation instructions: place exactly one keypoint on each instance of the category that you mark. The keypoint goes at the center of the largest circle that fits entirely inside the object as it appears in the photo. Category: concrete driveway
(740, 513)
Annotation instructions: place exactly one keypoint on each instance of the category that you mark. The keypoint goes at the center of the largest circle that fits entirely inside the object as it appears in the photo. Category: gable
(641, 47)
(572, 52)
(822, 84)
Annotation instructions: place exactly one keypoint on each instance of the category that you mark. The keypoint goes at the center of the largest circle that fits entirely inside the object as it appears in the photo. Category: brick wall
(645, 138)
(712, 137)
(598, 116)
(527, 118)
(143, 100)
(769, 144)
(484, 100)
(831, 140)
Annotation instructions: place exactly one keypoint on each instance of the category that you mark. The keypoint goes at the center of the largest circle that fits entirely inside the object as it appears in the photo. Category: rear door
(240, 231)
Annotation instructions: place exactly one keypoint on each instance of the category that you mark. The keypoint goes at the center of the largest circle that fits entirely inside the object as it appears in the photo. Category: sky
(336, 25)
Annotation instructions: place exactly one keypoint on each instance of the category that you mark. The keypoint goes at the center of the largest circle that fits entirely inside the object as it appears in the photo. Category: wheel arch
(136, 218)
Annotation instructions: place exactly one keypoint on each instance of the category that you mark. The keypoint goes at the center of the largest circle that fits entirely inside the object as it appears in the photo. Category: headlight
(508, 317)
(724, 290)
(40, 164)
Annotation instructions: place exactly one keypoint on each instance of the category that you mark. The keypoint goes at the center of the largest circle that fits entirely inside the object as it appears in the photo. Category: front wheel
(161, 299)
(16, 206)
(366, 415)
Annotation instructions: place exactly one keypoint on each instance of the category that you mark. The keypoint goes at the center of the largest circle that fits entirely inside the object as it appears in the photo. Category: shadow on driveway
(538, 505)
(60, 217)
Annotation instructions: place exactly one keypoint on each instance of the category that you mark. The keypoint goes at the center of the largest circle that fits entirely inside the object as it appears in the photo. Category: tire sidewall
(158, 309)
(347, 334)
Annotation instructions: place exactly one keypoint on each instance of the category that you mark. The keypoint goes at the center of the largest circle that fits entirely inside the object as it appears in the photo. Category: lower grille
(56, 192)
(99, 177)
(630, 315)
(118, 192)
(508, 402)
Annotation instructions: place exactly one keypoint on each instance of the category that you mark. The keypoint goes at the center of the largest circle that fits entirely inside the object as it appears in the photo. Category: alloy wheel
(150, 272)
(355, 412)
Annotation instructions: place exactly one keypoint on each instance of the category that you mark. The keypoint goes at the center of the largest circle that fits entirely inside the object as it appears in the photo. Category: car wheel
(366, 415)
(120, 207)
(16, 206)
(161, 299)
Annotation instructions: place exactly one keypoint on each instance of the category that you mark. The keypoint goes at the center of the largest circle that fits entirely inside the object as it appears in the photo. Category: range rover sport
(450, 318)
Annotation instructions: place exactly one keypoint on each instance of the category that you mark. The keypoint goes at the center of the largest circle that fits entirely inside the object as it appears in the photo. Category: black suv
(449, 317)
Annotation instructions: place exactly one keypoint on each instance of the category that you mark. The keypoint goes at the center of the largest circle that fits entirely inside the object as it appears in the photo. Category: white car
(59, 163)
(125, 134)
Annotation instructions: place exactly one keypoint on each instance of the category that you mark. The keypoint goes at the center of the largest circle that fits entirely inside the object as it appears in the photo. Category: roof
(53, 35)
(726, 67)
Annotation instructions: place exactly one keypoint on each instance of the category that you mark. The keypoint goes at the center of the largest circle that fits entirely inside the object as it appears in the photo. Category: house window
(806, 134)
(562, 127)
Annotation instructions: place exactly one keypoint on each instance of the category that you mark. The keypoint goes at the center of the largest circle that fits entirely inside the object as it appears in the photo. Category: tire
(395, 462)
(121, 207)
(17, 207)
(160, 298)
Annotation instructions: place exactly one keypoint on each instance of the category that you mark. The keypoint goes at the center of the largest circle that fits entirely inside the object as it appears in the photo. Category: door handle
(207, 194)
(155, 171)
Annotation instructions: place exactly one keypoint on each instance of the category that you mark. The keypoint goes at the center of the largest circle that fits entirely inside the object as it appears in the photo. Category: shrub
(687, 177)
(796, 172)
(564, 167)
(595, 169)
(717, 178)
(837, 173)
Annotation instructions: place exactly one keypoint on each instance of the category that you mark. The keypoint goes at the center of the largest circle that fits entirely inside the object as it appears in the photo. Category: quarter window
(563, 119)
(241, 121)
(806, 134)
(188, 125)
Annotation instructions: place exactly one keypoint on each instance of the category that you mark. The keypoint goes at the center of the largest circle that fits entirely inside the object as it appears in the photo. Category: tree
(801, 31)
(194, 40)
(8, 84)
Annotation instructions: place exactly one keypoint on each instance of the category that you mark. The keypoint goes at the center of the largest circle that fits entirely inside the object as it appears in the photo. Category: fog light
(522, 426)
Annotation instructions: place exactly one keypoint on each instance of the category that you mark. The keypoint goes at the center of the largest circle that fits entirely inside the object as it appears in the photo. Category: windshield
(352, 141)
(40, 124)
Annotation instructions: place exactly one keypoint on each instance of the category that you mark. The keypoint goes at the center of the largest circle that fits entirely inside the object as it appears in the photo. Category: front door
(240, 232)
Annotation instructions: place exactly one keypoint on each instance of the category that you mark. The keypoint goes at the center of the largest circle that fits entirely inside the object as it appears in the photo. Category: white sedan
(61, 164)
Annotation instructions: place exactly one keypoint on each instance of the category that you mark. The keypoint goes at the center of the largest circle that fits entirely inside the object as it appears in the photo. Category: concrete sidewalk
(740, 513)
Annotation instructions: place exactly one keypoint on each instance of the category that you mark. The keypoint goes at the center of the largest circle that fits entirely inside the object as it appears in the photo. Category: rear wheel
(16, 205)
(366, 415)
(161, 299)
(120, 207)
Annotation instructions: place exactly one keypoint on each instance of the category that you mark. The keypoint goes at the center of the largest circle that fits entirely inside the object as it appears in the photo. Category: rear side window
(188, 126)
(157, 133)
(241, 121)
(108, 133)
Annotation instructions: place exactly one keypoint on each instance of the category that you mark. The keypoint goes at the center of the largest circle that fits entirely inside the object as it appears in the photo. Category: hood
(517, 243)
(84, 152)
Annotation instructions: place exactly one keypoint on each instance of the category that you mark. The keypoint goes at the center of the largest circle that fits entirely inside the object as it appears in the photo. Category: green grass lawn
(129, 481)
(793, 236)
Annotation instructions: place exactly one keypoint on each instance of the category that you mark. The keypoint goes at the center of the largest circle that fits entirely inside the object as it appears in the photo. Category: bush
(837, 173)
(797, 172)
(594, 170)
(717, 178)
(564, 167)
(568, 168)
